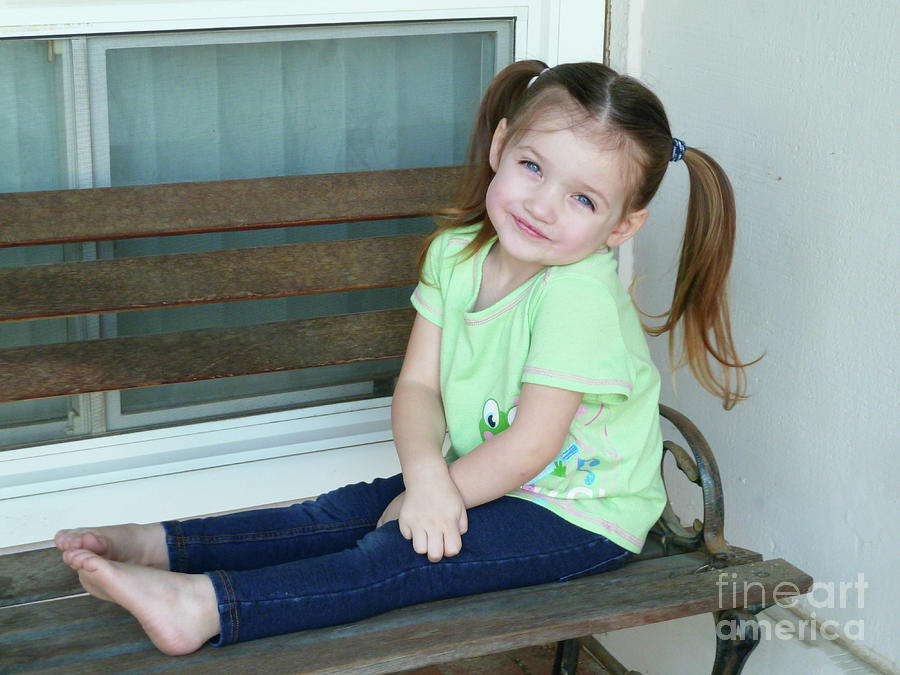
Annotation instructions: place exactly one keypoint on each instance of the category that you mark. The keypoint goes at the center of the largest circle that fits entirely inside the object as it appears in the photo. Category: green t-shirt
(572, 327)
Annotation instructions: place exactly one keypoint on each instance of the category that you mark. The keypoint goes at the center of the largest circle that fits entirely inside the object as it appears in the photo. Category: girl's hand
(434, 517)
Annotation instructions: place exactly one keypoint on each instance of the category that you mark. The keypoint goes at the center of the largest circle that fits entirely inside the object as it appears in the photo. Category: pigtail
(634, 118)
(502, 99)
(700, 301)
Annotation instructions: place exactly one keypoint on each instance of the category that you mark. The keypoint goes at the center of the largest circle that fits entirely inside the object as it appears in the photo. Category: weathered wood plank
(40, 575)
(185, 208)
(122, 363)
(69, 289)
(34, 576)
(84, 635)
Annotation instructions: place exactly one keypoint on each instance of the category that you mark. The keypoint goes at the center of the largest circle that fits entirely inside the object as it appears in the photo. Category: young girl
(526, 347)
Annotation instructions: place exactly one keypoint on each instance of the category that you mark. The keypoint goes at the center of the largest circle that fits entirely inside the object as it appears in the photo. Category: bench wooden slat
(121, 363)
(69, 289)
(60, 216)
(34, 576)
(56, 636)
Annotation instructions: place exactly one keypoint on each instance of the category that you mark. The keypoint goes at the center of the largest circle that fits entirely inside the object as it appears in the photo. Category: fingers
(435, 548)
(420, 542)
(437, 543)
(434, 524)
(452, 544)
(452, 537)
(429, 544)
(463, 522)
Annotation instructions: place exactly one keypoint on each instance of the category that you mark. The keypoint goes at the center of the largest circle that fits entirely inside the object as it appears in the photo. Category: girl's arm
(513, 457)
(431, 512)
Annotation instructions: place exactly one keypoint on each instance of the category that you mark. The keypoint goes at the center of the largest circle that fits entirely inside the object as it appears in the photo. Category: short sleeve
(577, 342)
(427, 297)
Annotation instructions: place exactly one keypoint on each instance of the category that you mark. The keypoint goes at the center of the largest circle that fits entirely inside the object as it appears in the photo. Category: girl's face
(557, 195)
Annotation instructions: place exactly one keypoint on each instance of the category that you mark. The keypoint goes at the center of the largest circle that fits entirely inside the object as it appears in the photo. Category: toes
(91, 562)
(70, 540)
(73, 558)
(82, 560)
(94, 542)
(62, 539)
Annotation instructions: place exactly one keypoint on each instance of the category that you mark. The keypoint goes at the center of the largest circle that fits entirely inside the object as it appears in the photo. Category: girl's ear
(497, 145)
(629, 227)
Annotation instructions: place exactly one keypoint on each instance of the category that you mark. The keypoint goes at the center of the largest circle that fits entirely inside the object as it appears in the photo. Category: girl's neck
(501, 275)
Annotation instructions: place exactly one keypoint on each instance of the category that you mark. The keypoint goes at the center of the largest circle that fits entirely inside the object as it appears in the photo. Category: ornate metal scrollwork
(702, 470)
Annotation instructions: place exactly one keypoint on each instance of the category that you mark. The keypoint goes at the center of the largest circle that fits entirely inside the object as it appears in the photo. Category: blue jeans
(323, 562)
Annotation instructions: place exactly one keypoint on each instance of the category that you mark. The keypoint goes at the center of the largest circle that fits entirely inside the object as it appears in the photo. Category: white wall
(798, 101)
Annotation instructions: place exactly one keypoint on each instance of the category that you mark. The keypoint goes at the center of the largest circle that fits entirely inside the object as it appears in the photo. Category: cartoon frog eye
(491, 413)
(511, 415)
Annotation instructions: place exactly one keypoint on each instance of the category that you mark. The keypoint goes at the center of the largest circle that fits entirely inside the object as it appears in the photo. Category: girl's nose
(541, 204)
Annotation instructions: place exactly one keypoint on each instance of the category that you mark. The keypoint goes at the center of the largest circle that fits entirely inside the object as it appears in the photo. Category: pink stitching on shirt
(577, 378)
(428, 306)
(512, 303)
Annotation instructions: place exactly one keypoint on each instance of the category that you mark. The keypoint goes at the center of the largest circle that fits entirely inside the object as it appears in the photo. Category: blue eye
(586, 201)
(531, 166)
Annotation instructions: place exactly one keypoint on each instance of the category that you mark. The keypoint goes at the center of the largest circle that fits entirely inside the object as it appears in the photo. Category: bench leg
(737, 634)
(566, 662)
(601, 655)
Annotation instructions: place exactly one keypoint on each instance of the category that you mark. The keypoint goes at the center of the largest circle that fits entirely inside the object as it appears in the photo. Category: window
(47, 128)
(97, 111)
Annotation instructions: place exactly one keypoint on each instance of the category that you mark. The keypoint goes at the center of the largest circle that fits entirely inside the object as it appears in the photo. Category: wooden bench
(48, 625)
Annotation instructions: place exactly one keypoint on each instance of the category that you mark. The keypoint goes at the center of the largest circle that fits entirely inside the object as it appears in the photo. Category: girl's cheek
(500, 189)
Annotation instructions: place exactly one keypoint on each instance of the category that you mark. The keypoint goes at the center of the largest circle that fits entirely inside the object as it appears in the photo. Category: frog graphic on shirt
(577, 471)
(494, 420)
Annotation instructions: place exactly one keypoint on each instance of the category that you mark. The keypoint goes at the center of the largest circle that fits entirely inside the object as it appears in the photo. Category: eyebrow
(583, 186)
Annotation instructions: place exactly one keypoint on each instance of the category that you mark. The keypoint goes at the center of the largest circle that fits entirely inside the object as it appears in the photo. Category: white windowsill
(193, 469)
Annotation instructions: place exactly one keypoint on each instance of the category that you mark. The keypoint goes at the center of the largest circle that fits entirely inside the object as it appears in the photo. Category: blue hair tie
(678, 148)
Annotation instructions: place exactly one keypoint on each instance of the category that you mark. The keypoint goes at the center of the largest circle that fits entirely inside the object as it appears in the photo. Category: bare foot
(177, 611)
(137, 544)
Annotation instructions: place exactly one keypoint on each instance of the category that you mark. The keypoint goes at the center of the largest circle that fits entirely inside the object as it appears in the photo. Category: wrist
(425, 470)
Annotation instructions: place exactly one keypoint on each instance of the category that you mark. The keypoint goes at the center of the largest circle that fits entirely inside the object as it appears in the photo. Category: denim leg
(510, 543)
(263, 537)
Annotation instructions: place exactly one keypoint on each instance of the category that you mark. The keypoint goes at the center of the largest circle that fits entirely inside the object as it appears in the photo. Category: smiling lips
(528, 229)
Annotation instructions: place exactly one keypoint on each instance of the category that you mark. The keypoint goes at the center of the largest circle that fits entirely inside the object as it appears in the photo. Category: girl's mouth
(528, 229)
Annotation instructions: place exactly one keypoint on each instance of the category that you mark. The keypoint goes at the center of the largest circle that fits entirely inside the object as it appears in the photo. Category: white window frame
(151, 475)
(99, 143)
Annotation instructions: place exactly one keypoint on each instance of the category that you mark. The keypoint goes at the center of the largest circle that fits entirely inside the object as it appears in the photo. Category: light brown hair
(634, 117)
